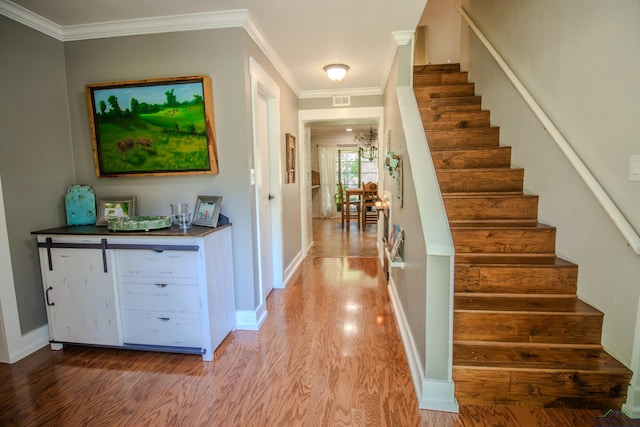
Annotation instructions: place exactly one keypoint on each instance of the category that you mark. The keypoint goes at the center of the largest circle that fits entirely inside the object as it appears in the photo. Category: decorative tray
(138, 223)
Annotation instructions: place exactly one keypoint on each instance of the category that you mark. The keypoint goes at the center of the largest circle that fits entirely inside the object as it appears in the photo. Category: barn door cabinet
(161, 290)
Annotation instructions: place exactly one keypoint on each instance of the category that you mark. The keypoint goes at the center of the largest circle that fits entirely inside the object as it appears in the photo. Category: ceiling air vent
(341, 101)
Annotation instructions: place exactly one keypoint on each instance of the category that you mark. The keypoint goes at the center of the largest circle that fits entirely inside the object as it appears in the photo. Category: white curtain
(328, 186)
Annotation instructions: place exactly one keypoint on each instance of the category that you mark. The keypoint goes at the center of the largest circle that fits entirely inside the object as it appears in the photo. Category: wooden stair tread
(480, 170)
(463, 138)
(472, 158)
(491, 223)
(498, 224)
(433, 116)
(489, 195)
(486, 194)
(437, 79)
(505, 258)
(523, 304)
(556, 262)
(470, 149)
(494, 206)
(556, 278)
(436, 68)
(524, 356)
(458, 103)
(444, 91)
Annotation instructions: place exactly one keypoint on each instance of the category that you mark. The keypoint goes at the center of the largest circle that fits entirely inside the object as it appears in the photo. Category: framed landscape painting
(153, 127)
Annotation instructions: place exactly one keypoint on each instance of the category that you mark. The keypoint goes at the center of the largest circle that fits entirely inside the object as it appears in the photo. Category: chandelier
(368, 144)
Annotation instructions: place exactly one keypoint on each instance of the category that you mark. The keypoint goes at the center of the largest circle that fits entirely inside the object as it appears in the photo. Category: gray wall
(217, 53)
(223, 55)
(580, 59)
(36, 161)
(44, 80)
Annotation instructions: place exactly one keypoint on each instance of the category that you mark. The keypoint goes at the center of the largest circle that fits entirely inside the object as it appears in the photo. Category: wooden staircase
(521, 336)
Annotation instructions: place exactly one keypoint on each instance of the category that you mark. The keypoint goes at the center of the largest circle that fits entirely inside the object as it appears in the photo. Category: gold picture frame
(291, 158)
(153, 127)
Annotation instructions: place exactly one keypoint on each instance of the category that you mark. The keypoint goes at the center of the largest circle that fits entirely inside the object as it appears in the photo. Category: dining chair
(369, 197)
(350, 207)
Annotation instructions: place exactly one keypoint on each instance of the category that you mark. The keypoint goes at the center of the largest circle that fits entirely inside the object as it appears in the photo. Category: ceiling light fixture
(368, 144)
(336, 72)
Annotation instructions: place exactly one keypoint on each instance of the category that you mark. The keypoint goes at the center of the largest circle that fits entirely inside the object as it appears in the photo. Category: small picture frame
(207, 211)
(291, 158)
(115, 207)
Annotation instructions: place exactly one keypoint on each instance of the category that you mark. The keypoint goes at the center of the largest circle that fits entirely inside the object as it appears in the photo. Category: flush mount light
(336, 72)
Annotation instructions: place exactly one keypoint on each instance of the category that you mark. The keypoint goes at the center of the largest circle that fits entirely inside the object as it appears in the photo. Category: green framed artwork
(153, 127)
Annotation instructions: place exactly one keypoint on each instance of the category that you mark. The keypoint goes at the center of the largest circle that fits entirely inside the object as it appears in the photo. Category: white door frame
(263, 85)
(13, 344)
(307, 116)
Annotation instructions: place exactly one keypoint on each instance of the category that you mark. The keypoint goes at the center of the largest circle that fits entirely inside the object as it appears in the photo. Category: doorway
(265, 99)
(306, 119)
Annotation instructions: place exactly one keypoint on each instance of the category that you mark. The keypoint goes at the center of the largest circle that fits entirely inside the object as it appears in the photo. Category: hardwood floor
(328, 354)
(331, 240)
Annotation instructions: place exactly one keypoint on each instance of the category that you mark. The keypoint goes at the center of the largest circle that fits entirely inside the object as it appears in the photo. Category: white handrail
(600, 194)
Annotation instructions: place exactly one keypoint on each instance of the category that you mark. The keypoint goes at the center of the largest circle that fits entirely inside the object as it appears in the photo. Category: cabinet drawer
(152, 296)
(164, 264)
(170, 329)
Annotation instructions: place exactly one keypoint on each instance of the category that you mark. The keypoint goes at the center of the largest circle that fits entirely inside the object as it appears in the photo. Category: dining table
(354, 192)
(355, 195)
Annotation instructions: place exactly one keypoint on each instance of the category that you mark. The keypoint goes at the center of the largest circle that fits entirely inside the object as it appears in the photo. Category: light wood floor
(328, 354)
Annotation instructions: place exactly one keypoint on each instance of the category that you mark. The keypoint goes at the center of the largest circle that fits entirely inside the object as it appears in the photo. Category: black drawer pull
(164, 319)
(161, 285)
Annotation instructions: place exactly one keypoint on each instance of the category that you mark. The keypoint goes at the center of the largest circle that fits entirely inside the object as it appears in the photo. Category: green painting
(153, 127)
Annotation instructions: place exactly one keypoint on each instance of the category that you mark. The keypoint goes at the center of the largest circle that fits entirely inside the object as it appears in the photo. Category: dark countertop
(92, 230)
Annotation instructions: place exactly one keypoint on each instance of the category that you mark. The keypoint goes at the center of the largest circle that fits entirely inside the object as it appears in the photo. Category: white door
(265, 194)
(80, 296)
(265, 103)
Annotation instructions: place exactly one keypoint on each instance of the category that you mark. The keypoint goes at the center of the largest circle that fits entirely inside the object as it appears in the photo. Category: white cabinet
(161, 290)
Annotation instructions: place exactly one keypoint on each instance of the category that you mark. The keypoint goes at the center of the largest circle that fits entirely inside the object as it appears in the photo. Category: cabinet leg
(56, 346)
(208, 355)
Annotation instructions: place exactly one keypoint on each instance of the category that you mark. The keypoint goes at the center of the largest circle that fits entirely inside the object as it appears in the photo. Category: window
(354, 170)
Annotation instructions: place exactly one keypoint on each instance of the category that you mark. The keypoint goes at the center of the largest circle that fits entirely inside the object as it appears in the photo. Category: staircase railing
(600, 194)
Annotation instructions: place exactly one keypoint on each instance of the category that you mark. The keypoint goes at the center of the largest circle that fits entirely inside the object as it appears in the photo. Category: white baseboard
(632, 406)
(434, 395)
(31, 341)
(291, 269)
(248, 320)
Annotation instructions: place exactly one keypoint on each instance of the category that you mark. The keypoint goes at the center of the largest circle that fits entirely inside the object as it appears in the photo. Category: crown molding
(251, 27)
(30, 19)
(161, 24)
(164, 24)
(129, 27)
(328, 93)
(403, 37)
